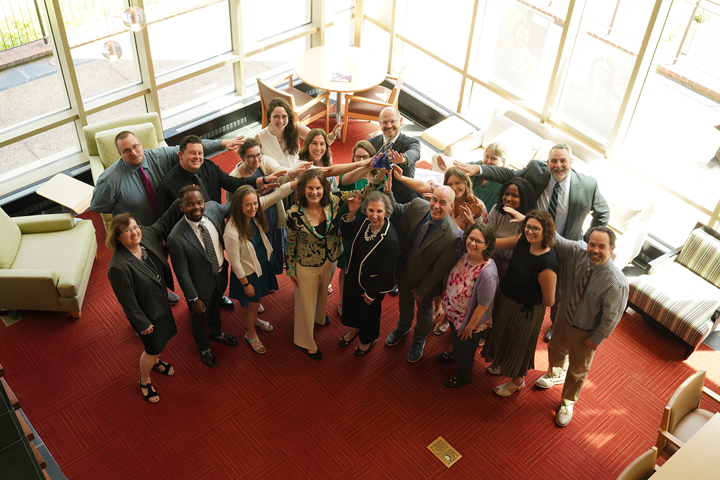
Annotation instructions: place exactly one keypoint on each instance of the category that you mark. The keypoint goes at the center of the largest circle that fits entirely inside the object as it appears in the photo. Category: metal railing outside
(700, 30)
(20, 23)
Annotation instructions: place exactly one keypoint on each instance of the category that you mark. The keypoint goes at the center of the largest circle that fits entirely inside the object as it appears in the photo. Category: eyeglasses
(476, 242)
(133, 148)
(132, 229)
(533, 229)
(253, 157)
(361, 157)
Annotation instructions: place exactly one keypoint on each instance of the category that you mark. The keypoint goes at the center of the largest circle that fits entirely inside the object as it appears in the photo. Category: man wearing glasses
(130, 185)
(405, 151)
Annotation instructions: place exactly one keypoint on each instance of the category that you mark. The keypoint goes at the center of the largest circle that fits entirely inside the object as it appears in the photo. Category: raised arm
(414, 183)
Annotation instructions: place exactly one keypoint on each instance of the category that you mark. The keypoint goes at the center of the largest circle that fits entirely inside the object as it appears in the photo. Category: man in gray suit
(428, 240)
(196, 251)
(567, 195)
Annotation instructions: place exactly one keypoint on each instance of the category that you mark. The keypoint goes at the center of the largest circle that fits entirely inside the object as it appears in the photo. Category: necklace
(369, 235)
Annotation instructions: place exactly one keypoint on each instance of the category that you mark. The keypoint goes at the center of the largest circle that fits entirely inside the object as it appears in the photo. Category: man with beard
(567, 195)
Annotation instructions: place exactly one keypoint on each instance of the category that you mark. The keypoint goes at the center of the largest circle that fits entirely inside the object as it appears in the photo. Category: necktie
(553, 201)
(196, 181)
(209, 247)
(578, 294)
(148, 188)
(419, 239)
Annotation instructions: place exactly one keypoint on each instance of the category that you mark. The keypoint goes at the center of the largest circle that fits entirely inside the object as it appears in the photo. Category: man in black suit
(406, 151)
(196, 251)
(194, 169)
(567, 195)
(428, 240)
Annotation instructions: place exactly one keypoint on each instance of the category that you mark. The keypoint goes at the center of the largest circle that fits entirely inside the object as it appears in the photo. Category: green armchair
(45, 262)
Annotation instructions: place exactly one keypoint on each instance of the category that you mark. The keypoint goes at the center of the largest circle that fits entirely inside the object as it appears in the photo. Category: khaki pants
(568, 342)
(310, 301)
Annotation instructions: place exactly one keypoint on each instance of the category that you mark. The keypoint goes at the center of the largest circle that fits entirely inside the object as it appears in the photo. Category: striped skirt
(513, 337)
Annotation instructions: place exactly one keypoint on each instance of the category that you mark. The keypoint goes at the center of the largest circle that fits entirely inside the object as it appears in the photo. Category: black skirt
(163, 330)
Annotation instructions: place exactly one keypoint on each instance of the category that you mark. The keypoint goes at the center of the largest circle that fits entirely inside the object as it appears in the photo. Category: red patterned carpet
(282, 415)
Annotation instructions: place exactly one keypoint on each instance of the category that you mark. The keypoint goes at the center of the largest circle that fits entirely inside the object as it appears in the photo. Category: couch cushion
(466, 144)
(678, 299)
(700, 255)
(447, 132)
(39, 251)
(521, 143)
(9, 240)
(145, 132)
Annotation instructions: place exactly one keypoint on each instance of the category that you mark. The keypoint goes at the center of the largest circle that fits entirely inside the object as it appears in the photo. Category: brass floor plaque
(447, 454)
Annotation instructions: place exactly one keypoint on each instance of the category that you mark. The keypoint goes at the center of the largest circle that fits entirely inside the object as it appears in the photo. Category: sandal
(151, 392)
(441, 327)
(264, 326)
(167, 370)
(509, 388)
(446, 357)
(454, 382)
(345, 343)
(256, 345)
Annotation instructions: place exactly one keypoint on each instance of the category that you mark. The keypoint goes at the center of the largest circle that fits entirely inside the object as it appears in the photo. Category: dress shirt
(120, 188)
(543, 203)
(602, 304)
(213, 235)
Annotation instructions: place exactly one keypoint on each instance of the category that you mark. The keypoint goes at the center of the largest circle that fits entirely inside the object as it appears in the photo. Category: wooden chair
(682, 416)
(368, 104)
(306, 108)
(642, 467)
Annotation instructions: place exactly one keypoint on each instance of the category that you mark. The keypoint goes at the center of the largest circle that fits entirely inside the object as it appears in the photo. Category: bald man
(406, 151)
(428, 241)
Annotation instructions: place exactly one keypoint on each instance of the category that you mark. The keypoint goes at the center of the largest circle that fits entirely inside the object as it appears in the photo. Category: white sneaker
(564, 415)
(546, 381)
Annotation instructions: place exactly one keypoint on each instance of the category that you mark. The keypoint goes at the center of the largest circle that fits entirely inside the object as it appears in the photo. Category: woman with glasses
(139, 275)
(526, 290)
(468, 300)
(253, 164)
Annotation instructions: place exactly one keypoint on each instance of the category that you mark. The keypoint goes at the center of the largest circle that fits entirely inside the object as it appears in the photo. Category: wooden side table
(68, 192)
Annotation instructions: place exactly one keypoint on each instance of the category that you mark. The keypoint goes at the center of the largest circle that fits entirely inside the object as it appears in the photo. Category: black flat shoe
(454, 382)
(208, 358)
(345, 343)
(360, 353)
(227, 303)
(226, 339)
(395, 292)
(315, 356)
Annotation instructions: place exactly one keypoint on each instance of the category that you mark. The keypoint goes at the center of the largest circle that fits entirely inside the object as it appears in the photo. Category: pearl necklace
(369, 236)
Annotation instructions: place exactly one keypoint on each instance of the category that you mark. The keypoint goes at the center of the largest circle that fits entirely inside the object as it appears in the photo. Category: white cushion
(145, 132)
(521, 144)
(446, 132)
(498, 124)
(466, 144)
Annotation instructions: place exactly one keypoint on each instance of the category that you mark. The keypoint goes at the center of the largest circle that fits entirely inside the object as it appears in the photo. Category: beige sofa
(45, 262)
(100, 139)
(528, 139)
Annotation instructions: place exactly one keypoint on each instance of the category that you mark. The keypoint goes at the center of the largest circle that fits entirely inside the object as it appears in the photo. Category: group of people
(487, 277)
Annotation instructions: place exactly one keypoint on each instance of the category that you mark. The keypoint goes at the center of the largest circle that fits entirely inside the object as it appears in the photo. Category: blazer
(190, 261)
(141, 295)
(409, 147)
(303, 244)
(437, 254)
(585, 196)
(376, 274)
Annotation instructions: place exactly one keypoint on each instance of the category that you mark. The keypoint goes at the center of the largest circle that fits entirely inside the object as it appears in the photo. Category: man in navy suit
(567, 195)
(196, 251)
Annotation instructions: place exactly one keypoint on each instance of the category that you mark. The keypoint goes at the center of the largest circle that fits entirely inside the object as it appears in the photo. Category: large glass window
(274, 61)
(186, 32)
(515, 49)
(197, 90)
(37, 150)
(261, 20)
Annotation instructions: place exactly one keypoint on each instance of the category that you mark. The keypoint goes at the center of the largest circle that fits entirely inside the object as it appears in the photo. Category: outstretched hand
(476, 205)
(267, 188)
(517, 216)
(441, 163)
(353, 205)
(388, 185)
(397, 171)
(233, 143)
(467, 168)
(336, 131)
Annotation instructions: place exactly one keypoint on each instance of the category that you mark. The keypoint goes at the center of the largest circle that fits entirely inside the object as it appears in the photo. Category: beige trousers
(310, 301)
(566, 351)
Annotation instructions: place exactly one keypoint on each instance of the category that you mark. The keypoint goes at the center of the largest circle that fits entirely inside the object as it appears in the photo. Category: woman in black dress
(139, 275)
(370, 268)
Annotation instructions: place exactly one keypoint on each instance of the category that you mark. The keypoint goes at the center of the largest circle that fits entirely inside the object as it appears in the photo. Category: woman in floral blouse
(468, 300)
(313, 246)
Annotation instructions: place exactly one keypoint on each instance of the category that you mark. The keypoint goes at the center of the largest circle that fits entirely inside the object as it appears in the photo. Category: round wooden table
(317, 66)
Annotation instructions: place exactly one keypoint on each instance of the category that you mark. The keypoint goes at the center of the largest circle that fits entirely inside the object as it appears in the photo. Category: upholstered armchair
(683, 416)
(307, 108)
(45, 262)
(642, 468)
(679, 294)
(100, 140)
(368, 104)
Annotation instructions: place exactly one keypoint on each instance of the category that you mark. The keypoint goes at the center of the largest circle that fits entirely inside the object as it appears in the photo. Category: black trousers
(208, 323)
(464, 353)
